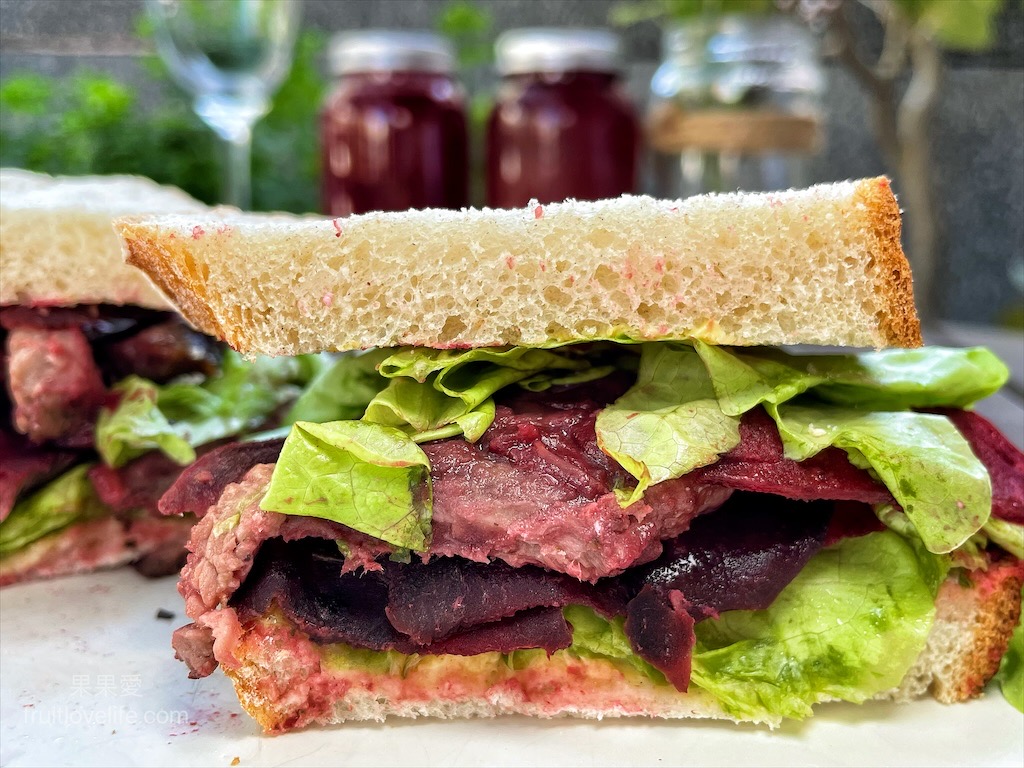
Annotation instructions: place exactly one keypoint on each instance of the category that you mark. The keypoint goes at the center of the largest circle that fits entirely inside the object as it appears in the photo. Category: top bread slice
(815, 266)
(57, 245)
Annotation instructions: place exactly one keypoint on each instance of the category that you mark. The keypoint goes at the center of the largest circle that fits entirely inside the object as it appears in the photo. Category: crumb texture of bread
(285, 681)
(284, 684)
(815, 266)
(973, 624)
(57, 243)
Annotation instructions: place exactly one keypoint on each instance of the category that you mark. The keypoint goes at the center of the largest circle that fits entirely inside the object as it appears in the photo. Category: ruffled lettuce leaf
(670, 422)
(63, 501)
(1011, 669)
(913, 378)
(340, 387)
(426, 413)
(371, 478)
(176, 417)
(888, 380)
(848, 627)
(921, 458)
(683, 413)
(137, 425)
(437, 393)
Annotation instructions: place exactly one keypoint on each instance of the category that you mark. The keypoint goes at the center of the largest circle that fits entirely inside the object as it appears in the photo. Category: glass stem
(237, 179)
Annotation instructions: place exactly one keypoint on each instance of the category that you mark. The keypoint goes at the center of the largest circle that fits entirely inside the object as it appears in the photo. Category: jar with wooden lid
(393, 130)
(735, 104)
(562, 126)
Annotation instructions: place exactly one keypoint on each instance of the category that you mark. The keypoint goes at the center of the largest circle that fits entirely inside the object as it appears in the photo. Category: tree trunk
(914, 170)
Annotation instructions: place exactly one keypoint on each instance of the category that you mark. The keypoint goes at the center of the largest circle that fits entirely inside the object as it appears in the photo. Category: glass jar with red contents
(563, 126)
(393, 131)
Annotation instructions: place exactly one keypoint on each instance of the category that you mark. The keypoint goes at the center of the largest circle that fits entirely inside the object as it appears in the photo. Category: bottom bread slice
(286, 681)
(157, 545)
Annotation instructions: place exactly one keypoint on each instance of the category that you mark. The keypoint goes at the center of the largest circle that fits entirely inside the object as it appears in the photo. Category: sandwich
(107, 392)
(593, 459)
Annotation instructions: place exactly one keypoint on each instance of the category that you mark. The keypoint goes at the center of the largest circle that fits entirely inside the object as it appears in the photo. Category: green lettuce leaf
(914, 378)
(594, 637)
(178, 416)
(670, 422)
(68, 499)
(921, 458)
(1009, 536)
(682, 412)
(460, 372)
(437, 393)
(340, 388)
(138, 425)
(1011, 668)
(848, 626)
(889, 380)
(372, 478)
(422, 411)
(744, 380)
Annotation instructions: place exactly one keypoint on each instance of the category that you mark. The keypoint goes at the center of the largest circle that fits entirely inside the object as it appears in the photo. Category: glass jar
(736, 104)
(562, 126)
(393, 131)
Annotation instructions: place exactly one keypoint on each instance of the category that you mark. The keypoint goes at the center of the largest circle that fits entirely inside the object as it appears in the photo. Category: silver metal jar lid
(553, 49)
(387, 50)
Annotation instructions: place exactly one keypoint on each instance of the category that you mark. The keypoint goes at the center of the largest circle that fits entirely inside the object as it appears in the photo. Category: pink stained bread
(815, 266)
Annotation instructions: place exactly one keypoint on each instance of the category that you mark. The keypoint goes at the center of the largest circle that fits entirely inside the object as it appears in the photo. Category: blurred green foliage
(470, 28)
(629, 12)
(966, 25)
(93, 123)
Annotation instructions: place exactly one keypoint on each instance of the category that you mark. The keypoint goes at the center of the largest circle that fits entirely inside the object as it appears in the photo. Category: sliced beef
(537, 490)
(55, 385)
(1003, 460)
(511, 497)
(139, 484)
(163, 351)
(193, 644)
(23, 466)
(200, 485)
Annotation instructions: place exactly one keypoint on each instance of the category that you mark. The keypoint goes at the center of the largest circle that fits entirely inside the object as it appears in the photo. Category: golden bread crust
(168, 265)
(897, 315)
(987, 617)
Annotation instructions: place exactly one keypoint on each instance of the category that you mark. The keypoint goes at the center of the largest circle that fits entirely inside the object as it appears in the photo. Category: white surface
(74, 651)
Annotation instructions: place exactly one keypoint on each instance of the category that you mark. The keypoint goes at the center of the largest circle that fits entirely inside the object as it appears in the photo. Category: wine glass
(231, 55)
